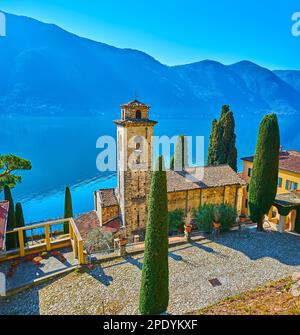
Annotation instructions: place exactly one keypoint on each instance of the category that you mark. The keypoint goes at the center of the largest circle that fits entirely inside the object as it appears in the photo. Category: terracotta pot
(37, 260)
(122, 241)
(217, 225)
(188, 228)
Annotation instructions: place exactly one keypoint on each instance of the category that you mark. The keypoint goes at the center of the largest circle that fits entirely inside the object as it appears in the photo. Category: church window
(138, 115)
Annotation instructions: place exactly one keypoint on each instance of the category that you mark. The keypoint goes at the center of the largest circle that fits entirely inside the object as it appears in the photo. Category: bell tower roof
(135, 103)
(135, 113)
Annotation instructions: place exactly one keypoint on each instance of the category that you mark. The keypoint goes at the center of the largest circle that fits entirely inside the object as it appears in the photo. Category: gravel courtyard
(239, 260)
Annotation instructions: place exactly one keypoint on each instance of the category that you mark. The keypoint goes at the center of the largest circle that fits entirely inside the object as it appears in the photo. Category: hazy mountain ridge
(46, 70)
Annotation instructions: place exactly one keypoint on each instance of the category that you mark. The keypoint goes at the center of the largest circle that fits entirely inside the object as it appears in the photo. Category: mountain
(47, 70)
(291, 77)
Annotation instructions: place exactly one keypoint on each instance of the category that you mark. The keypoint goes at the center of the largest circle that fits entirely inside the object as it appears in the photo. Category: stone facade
(220, 184)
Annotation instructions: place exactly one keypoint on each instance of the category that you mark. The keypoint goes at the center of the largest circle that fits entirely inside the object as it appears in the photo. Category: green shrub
(207, 213)
(176, 221)
(203, 216)
(228, 216)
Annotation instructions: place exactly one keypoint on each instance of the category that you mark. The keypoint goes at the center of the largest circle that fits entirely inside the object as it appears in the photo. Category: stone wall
(192, 199)
(109, 213)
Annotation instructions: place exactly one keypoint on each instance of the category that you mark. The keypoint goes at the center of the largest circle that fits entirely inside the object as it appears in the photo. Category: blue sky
(180, 31)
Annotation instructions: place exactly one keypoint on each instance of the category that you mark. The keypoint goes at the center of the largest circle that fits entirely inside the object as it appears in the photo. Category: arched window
(137, 146)
(138, 115)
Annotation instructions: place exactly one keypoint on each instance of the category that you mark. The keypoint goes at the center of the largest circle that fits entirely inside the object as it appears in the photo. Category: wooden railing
(73, 238)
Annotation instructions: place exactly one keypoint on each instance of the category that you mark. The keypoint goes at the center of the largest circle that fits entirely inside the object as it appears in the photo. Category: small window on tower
(138, 115)
(137, 146)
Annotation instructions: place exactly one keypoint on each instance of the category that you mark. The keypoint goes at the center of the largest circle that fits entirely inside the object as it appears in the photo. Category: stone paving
(239, 260)
(27, 272)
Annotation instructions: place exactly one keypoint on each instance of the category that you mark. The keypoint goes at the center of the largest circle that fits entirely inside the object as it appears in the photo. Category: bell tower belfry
(134, 139)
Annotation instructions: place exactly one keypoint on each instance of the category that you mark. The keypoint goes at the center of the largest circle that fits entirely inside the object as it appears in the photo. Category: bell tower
(134, 138)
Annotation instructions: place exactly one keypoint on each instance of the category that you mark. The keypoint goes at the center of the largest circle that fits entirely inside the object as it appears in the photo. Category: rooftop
(108, 197)
(3, 221)
(135, 103)
(89, 221)
(139, 122)
(288, 160)
(205, 177)
(288, 199)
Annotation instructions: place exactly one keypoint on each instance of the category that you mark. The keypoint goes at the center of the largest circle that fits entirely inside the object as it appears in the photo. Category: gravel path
(240, 261)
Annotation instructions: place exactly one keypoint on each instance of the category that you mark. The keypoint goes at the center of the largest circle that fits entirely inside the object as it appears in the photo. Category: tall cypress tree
(264, 176)
(214, 141)
(20, 220)
(180, 159)
(154, 292)
(68, 209)
(11, 239)
(222, 149)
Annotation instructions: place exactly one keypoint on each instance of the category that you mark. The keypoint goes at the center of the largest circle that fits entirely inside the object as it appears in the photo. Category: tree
(68, 209)
(20, 220)
(11, 239)
(264, 176)
(172, 163)
(8, 165)
(176, 220)
(222, 149)
(180, 159)
(154, 292)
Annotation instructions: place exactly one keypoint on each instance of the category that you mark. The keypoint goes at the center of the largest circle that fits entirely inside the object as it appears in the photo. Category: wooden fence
(47, 243)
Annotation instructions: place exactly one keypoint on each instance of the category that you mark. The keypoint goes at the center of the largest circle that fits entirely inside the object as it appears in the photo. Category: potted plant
(188, 228)
(122, 241)
(216, 218)
(243, 218)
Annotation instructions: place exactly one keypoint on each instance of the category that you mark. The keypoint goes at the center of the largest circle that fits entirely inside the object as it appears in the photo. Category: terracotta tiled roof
(288, 199)
(134, 103)
(136, 122)
(112, 226)
(209, 176)
(108, 197)
(87, 222)
(3, 222)
(90, 220)
(288, 160)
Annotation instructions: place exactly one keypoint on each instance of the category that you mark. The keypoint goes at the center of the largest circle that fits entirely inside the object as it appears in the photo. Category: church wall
(192, 199)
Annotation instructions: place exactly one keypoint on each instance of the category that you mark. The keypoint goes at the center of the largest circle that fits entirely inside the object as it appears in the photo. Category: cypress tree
(264, 176)
(20, 220)
(172, 163)
(213, 144)
(222, 149)
(68, 209)
(180, 154)
(154, 291)
(11, 239)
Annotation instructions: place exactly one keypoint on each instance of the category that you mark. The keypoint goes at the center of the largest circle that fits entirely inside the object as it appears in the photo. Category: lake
(63, 152)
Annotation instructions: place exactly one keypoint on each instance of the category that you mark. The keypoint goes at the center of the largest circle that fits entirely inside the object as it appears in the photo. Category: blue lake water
(63, 152)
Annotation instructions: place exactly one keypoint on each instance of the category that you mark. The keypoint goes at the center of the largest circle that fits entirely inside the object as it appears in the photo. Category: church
(127, 203)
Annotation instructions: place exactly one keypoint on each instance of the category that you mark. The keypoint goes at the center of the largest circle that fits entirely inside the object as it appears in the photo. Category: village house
(288, 190)
(128, 201)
